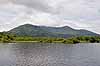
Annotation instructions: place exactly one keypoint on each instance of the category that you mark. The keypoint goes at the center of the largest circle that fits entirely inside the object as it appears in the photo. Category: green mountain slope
(43, 31)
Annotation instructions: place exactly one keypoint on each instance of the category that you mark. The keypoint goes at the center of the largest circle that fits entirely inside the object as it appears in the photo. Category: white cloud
(78, 14)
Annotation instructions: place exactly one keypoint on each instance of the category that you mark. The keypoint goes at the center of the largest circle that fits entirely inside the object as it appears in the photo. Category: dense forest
(8, 38)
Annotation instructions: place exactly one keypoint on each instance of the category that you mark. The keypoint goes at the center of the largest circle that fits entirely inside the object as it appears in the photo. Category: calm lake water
(28, 54)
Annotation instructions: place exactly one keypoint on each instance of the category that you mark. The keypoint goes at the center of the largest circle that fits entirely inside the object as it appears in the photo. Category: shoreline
(43, 42)
(7, 38)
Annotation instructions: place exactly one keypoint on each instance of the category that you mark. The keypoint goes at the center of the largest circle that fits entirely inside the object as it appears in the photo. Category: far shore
(83, 42)
(10, 38)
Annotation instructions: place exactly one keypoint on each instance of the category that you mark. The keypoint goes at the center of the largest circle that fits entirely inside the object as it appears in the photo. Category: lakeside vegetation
(43, 34)
(8, 38)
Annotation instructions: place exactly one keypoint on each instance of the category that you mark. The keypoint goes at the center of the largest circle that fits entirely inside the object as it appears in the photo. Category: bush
(48, 41)
(76, 41)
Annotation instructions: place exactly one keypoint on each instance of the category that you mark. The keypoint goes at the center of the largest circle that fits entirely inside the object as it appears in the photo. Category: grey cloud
(80, 9)
(40, 5)
(75, 13)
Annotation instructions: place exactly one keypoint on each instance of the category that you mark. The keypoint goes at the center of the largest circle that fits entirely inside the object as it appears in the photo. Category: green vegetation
(4, 37)
(43, 34)
(43, 31)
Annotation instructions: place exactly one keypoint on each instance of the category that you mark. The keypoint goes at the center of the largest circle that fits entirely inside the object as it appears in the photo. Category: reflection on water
(49, 55)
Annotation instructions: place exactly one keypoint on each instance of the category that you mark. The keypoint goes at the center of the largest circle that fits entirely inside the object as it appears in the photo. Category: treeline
(84, 39)
(4, 37)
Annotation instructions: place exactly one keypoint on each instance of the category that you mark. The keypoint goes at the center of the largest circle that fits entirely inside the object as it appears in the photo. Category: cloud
(79, 14)
(39, 5)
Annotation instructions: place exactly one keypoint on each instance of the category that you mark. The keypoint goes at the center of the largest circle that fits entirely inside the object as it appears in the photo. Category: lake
(36, 54)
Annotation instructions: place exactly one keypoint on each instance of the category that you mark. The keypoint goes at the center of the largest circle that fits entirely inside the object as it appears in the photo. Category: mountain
(43, 31)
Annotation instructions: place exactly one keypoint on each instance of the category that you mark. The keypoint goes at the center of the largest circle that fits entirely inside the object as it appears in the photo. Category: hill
(44, 31)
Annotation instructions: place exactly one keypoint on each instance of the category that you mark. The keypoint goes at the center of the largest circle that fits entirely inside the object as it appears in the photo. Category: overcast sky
(78, 14)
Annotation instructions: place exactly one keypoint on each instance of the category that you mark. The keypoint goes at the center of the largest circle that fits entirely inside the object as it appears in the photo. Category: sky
(78, 14)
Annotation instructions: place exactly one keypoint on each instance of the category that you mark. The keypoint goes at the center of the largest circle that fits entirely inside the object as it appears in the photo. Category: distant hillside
(43, 31)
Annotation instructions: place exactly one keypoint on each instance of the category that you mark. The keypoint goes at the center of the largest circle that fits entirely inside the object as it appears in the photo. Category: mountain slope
(29, 30)
(43, 31)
